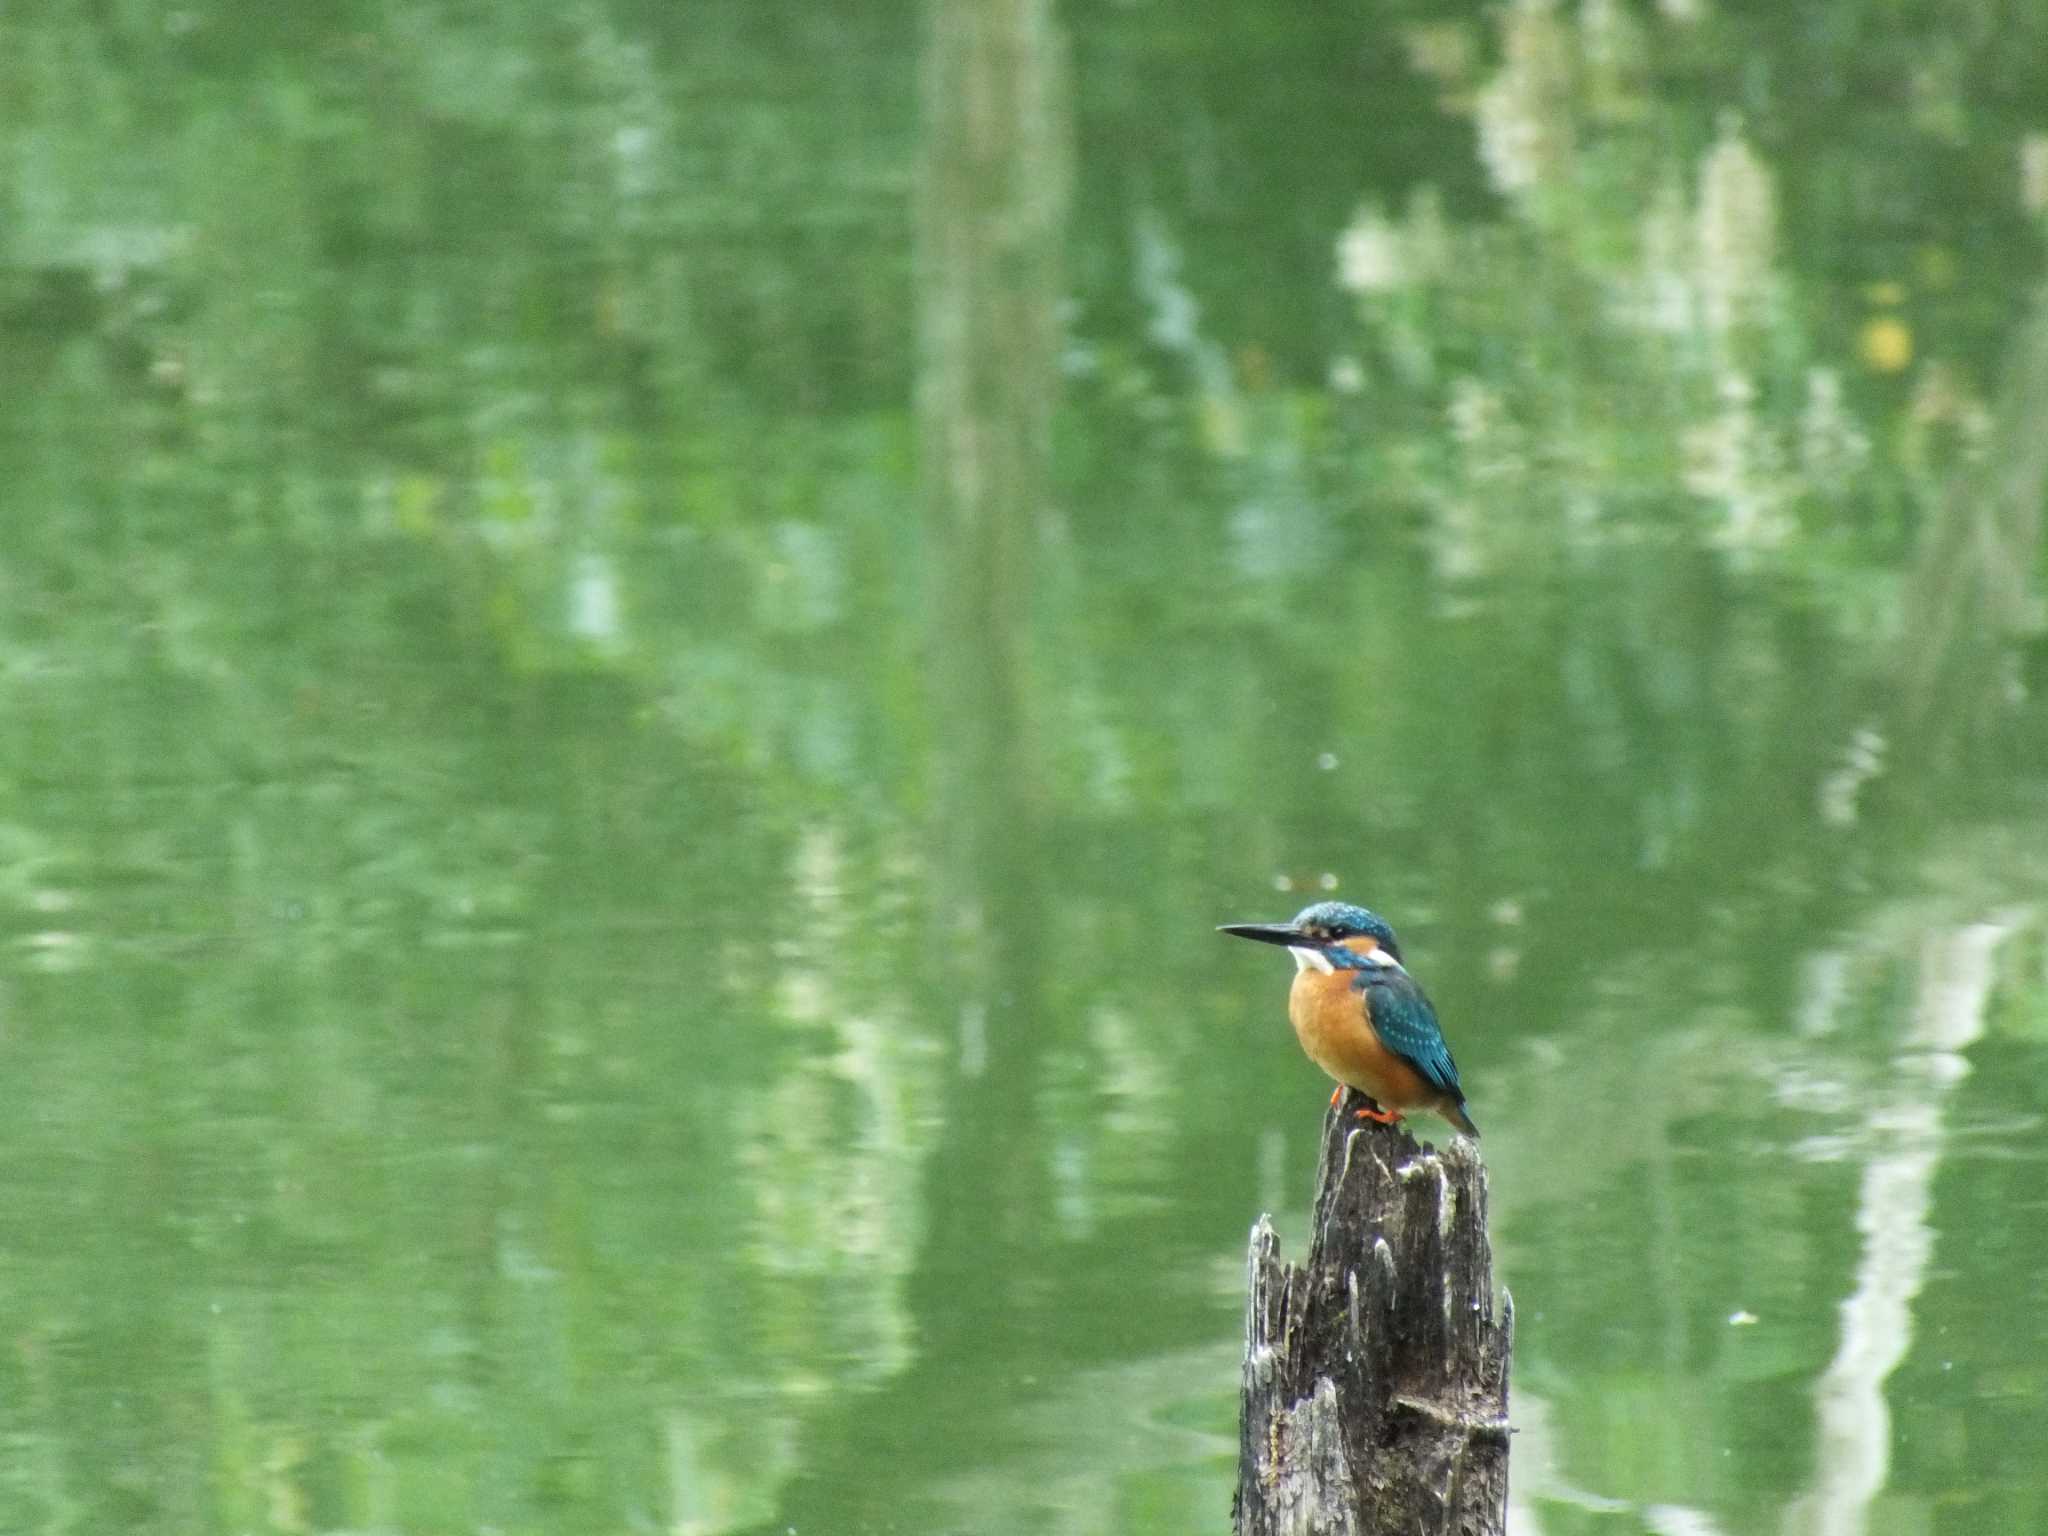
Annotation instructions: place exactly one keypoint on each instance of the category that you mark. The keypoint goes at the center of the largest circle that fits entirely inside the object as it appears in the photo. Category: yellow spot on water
(1886, 344)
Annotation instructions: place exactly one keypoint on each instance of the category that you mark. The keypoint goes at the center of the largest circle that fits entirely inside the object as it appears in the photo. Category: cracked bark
(1376, 1373)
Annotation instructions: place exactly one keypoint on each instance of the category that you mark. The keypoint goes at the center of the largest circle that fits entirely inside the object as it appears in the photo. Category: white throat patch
(1310, 960)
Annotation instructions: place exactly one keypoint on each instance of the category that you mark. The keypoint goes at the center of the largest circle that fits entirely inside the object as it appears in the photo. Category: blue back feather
(1404, 1019)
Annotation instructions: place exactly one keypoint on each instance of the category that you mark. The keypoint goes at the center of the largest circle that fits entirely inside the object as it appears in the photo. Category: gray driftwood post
(1376, 1373)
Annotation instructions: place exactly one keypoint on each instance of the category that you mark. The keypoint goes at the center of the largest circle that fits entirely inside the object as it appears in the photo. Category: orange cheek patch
(1362, 944)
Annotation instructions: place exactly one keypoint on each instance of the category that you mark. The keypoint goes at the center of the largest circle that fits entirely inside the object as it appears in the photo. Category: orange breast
(1328, 1014)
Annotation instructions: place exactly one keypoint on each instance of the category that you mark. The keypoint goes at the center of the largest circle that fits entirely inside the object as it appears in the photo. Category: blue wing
(1406, 1022)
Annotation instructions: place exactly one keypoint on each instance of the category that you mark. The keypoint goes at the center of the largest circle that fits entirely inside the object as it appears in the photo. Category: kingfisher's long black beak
(1266, 933)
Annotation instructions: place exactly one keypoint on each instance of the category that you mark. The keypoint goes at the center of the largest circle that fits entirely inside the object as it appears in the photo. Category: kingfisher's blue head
(1329, 935)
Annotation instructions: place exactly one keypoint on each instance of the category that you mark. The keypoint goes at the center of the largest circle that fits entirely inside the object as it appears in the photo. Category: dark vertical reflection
(992, 199)
(1971, 591)
(992, 206)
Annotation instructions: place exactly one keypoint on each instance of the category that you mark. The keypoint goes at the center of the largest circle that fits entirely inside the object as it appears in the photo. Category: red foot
(1336, 1093)
(1383, 1116)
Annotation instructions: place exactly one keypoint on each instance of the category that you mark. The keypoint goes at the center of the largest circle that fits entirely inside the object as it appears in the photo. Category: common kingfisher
(1360, 1015)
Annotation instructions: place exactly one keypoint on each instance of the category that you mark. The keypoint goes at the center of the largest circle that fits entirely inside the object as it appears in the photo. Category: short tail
(1455, 1113)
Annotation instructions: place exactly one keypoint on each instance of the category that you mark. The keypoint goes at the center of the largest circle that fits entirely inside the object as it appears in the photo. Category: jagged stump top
(1376, 1371)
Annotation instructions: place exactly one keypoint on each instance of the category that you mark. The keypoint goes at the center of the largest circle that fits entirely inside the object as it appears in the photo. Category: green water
(640, 644)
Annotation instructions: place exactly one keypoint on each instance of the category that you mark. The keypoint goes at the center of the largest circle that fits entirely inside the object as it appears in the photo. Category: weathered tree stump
(1376, 1374)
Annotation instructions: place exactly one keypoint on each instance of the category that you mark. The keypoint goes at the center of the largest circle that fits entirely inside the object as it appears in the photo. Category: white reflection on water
(1853, 1459)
